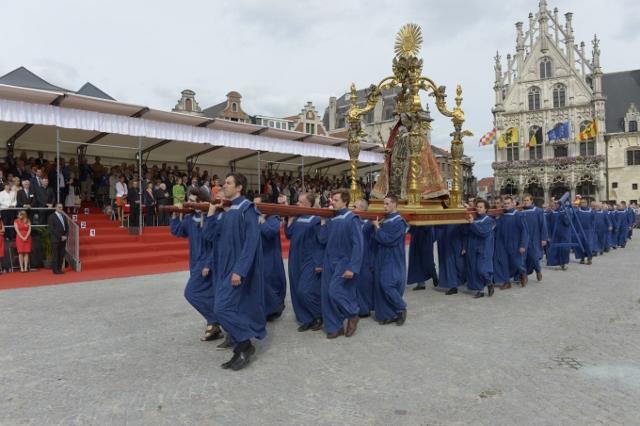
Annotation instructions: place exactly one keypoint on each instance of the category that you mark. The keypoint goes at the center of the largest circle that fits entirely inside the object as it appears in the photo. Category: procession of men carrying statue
(346, 267)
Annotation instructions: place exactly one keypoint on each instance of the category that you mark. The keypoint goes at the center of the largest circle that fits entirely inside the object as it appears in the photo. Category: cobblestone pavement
(561, 352)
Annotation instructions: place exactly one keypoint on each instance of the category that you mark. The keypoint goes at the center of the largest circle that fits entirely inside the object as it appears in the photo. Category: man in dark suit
(45, 197)
(59, 228)
(25, 197)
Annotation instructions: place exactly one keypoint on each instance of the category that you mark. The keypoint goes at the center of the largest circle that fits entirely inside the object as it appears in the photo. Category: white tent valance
(69, 118)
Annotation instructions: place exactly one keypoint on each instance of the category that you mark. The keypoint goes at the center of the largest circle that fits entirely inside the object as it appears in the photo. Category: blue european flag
(562, 130)
(552, 135)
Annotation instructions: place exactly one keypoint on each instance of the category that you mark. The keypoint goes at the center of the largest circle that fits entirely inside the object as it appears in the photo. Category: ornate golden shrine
(407, 70)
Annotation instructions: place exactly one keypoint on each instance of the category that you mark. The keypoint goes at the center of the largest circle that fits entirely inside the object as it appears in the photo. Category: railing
(73, 244)
(72, 248)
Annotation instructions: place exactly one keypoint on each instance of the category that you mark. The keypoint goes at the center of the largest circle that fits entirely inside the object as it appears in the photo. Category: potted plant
(45, 241)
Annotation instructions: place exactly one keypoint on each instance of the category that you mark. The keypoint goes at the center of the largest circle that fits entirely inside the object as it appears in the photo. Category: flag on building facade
(589, 132)
(536, 138)
(489, 138)
(511, 136)
(560, 131)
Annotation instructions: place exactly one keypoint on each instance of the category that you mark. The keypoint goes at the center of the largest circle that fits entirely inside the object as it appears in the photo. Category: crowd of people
(347, 268)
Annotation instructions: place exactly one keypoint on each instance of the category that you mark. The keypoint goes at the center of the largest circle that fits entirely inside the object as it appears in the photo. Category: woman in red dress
(22, 226)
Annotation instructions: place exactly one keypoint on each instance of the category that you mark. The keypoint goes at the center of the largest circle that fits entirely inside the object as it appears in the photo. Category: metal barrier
(72, 249)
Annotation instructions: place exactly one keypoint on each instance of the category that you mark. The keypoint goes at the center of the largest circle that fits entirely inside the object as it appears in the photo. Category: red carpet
(113, 253)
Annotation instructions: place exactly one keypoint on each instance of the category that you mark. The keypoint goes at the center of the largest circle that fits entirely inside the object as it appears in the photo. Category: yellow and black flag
(536, 138)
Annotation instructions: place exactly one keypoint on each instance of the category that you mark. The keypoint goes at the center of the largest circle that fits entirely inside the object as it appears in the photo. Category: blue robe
(560, 239)
(421, 264)
(305, 255)
(479, 246)
(511, 235)
(390, 267)
(611, 235)
(537, 227)
(342, 238)
(451, 263)
(602, 225)
(275, 280)
(586, 227)
(364, 280)
(199, 291)
(236, 233)
(631, 222)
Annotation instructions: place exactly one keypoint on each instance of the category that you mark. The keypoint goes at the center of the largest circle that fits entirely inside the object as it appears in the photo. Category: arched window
(587, 147)
(234, 107)
(559, 95)
(534, 98)
(633, 126)
(545, 68)
(535, 151)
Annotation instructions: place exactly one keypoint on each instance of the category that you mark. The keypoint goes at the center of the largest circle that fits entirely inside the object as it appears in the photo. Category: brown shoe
(539, 276)
(336, 334)
(524, 280)
(352, 326)
(505, 286)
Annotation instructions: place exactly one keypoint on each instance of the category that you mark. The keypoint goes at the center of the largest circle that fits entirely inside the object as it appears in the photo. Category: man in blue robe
(512, 240)
(602, 227)
(239, 301)
(585, 226)
(305, 266)
(478, 251)
(422, 266)
(561, 237)
(390, 265)
(275, 280)
(537, 227)
(451, 263)
(613, 220)
(342, 238)
(364, 280)
(199, 291)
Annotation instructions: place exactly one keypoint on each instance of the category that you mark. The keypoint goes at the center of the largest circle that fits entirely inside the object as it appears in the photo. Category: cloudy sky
(280, 54)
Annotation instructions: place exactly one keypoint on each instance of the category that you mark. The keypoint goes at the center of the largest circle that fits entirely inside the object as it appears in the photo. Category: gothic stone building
(550, 81)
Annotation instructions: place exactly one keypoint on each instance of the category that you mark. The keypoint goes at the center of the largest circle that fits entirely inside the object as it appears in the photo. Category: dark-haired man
(305, 266)
(275, 280)
(478, 250)
(390, 265)
(538, 236)
(199, 291)
(239, 304)
(511, 244)
(342, 238)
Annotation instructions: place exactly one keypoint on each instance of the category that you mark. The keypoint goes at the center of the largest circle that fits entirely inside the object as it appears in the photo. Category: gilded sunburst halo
(408, 41)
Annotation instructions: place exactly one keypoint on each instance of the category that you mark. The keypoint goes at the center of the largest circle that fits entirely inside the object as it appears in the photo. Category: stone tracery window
(545, 68)
(534, 98)
(559, 95)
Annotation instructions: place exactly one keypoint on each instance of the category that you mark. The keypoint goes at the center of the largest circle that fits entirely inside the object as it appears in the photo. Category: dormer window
(234, 107)
(545, 68)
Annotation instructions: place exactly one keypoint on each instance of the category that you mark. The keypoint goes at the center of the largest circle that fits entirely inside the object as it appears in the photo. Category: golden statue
(410, 171)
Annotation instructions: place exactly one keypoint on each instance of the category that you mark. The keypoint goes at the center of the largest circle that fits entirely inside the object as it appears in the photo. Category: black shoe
(435, 281)
(563, 267)
(589, 261)
(402, 317)
(388, 321)
(420, 286)
(491, 289)
(582, 261)
(305, 327)
(58, 272)
(364, 315)
(478, 295)
(233, 359)
(274, 316)
(244, 358)
(453, 290)
(226, 344)
(316, 324)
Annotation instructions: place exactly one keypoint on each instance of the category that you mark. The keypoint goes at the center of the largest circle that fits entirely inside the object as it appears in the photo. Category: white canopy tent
(38, 120)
